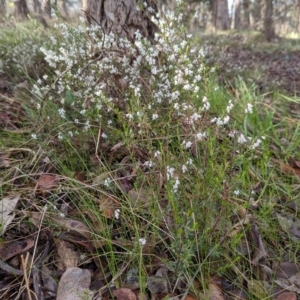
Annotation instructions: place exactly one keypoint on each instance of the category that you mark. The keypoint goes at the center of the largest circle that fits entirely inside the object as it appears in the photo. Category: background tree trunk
(65, 8)
(47, 8)
(221, 14)
(122, 17)
(268, 22)
(298, 21)
(37, 8)
(237, 14)
(257, 16)
(246, 19)
(2, 9)
(21, 9)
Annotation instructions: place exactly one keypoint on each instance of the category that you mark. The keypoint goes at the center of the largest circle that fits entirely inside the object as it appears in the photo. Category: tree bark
(47, 8)
(122, 17)
(237, 14)
(268, 22)
(21, 9)
(257, 16)
(246, 19)
(2, 9)
(65, 8)
(298, 21)
(221, 14)
(37, 8)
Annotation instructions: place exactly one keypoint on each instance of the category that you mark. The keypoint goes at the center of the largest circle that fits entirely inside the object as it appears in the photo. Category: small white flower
(226, 119)
(103, 135)
(201, 135)
(229, 106)
(142, 242)
(176, 106)
(148, 164)
(157, 153)
(87, 125)
(189, 161)
(249, 108)
(176, 185)
(107, 182)
(33, 136)
(60, 136)
(187, 144)
(170, 172)
(256, 144)
(184, 168)
(187, 87)
(129, 116)
(117, 214)
(154, 116)
(236, 192)
(232, 133)
(241, 139)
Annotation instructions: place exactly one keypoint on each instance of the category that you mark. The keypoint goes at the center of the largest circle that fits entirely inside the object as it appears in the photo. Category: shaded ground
(271, 66)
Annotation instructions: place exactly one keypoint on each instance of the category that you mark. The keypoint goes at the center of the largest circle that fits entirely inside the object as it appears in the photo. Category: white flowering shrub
(154, 100)
(20, 51)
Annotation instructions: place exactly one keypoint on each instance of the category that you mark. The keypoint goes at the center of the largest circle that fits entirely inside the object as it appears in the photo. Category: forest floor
(188, 213)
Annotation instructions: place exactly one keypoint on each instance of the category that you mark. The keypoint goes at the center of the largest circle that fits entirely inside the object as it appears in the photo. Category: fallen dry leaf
(188, 297)
(69, 224)
(47, 182)
(287, 296)
(7, 206)
(292, 228)
(108, 206)
(68, 256)
(286, 269)
(49, 282)
(214, 292)
(124, 294)
(289, 170)
(257, 288)
(74, 285)
(139, 197)
(157, 284)
(287, 285)
(11, 249)
(260, 251)
(4, 160)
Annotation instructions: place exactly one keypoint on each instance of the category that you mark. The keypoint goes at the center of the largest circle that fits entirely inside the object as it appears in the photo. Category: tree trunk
(37, 8)
(268, 22)
(21, 9)
(237, 14)
(47, 8)
(298, 21)
(65, 8)
(246, 19)
(122, 17)
(2, 9)
(221, 14)
(257, 16)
